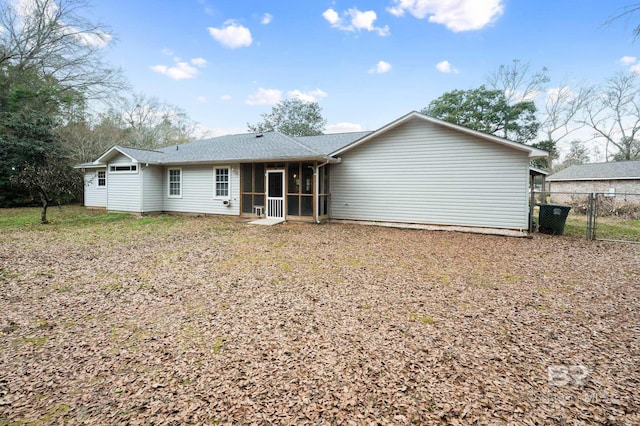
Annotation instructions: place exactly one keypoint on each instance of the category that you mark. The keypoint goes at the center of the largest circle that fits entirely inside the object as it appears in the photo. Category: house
(416, 169)
(615, 178)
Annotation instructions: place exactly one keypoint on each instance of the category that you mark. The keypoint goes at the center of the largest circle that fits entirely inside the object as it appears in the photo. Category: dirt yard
(173, 320)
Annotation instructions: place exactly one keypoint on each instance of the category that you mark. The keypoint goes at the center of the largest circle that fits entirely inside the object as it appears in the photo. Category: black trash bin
(552, 218)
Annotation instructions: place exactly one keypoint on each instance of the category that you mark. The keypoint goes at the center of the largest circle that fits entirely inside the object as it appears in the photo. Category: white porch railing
(275, 208)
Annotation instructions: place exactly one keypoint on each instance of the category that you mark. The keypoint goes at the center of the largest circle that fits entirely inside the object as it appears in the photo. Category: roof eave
(252, 160)
(538, 171)
(89, 166)
(533, 152)
(552, 179)
(108, 152)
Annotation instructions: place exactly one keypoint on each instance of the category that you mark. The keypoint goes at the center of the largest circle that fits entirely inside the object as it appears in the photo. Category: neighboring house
(615, 178)
(417, 169)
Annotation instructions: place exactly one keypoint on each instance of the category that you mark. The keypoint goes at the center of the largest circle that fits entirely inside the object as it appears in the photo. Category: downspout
(141, 185)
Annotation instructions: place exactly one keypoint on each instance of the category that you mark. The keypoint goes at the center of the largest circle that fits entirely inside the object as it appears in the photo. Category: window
(123, 169)
(175, 183)
(102, 178)
(221, 176)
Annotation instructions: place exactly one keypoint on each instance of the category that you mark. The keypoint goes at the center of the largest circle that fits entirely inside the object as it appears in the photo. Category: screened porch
(290, 190)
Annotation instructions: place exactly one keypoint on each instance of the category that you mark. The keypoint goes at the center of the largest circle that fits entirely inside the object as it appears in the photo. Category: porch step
(265, 221)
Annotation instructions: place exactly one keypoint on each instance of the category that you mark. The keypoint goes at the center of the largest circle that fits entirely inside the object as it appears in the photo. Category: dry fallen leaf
(210, 320)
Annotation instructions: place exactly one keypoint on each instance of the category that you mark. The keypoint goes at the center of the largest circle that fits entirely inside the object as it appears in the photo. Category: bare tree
(562, 108)
(143, 122)
(614, 115)
(52, 181)
(626, 12)
(149, 123)
(54, 41)
(518, 82)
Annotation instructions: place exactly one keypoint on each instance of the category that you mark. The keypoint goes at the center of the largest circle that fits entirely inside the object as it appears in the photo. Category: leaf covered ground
(174, 320)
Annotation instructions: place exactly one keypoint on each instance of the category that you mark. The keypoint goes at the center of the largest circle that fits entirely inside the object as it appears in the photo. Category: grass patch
(38, 342)
(618, 229)
(609, 227)
(87, 224)
(58, 216)
(424, 319)
(218, 344)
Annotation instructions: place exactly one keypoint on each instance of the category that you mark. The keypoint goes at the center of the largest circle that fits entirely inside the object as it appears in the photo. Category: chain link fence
(595, 216)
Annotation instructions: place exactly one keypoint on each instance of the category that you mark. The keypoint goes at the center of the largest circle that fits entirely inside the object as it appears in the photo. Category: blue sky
(367, 62)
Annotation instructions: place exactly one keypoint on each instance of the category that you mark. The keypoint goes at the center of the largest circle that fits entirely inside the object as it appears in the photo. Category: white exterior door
(275, 194)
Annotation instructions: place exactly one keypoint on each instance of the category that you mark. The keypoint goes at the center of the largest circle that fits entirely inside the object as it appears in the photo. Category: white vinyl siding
(152, 189)
(94, 195)
(423, 173)
(197, 190)
(123, 188)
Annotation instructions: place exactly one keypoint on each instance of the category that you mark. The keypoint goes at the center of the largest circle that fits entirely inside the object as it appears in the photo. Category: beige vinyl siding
(423, 173)
(197, 194)
(152, 188)
(94, 195)
(123, 189)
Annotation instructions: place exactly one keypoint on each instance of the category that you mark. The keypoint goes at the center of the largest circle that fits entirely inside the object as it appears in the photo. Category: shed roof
(616, 170)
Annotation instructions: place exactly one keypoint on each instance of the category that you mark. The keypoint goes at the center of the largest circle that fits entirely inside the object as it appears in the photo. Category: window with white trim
(123, 169)
(221, 182)
(175, 183)
(102, 178)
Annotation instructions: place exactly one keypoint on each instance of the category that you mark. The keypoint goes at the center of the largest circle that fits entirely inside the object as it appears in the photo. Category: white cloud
(266, 19)
(445, 67)
(199, 62)
(182, 70)
(380, 68)
(97, 39)
(168, 52)
(627, 60)
(232, 35)
(225, 97)
(331, 16)
(264, 97)
(521, 96)
(456, 15)
(310, 96)
(202, 99)
(355, 20)
(631, 62)
(343, 128)
(204, 132)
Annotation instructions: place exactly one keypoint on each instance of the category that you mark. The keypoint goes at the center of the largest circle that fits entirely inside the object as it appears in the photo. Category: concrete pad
(266, 221)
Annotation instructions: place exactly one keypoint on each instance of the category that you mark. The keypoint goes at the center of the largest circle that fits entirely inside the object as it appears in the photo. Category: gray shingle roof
(268, 146)
(328, 144)
(599, 171)
(143, 155)
(249, 146)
